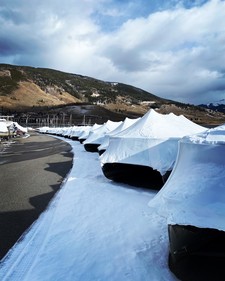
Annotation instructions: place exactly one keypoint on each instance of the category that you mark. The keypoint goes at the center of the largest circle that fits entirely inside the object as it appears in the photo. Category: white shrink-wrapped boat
(144, 154)
(85, 134)
(124, 125)
(96, 137)
(193, 201)
(4, 132)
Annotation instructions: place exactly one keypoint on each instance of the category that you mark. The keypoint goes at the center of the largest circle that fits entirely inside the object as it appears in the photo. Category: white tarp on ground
(151, 141)
(94, 230)
(97, 136)
(195, 192)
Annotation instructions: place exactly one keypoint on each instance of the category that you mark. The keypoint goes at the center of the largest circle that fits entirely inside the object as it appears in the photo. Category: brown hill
(40, 93)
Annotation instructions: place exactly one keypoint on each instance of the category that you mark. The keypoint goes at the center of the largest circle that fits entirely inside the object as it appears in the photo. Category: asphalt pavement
(31, 172)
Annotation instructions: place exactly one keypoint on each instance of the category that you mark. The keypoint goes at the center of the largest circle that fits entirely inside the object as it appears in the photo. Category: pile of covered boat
(139, 152)
(186, 162)
(10, 129)
(144, 154)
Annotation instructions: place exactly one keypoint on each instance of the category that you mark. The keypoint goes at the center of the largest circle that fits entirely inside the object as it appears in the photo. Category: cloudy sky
(172, 48)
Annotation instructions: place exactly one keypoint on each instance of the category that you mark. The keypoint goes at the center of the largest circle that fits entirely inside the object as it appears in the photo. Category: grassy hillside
(47, 91)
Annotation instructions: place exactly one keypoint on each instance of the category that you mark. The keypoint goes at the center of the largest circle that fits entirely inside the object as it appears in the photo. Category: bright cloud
(174, 49)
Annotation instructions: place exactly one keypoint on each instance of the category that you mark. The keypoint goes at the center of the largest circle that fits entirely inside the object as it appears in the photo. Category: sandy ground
(31, 172)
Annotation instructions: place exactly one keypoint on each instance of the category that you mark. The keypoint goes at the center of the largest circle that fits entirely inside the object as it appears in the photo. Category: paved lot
(31, 172)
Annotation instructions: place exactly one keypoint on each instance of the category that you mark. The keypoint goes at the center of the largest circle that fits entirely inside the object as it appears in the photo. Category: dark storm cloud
(174, 48)
(7, 47)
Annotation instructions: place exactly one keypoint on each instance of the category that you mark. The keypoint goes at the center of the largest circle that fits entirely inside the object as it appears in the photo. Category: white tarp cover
(77, 131)
(3, 126)
(67, 131)
(124, 125)
(44, 129)
(86, 133)
(151, 141)
(19, 127)
(54, 130)
(97, 136)
(195, 192)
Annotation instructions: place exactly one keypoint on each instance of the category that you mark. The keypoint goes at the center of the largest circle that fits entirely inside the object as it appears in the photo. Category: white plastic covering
(151, 141)
(19, 127)
(3, 127)
(7, 125)
(97, 136)
(43, 129)
(52, 130)
(56, 130)
(67, 131)
(124, 125)
(86, 133)
(195, 191)
(77, 131)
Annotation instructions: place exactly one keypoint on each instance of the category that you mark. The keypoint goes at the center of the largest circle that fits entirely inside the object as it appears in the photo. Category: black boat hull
(81, 140)
(135, 175)
(91, 147)
(74, 138)
(101, 151)
(197, 254)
